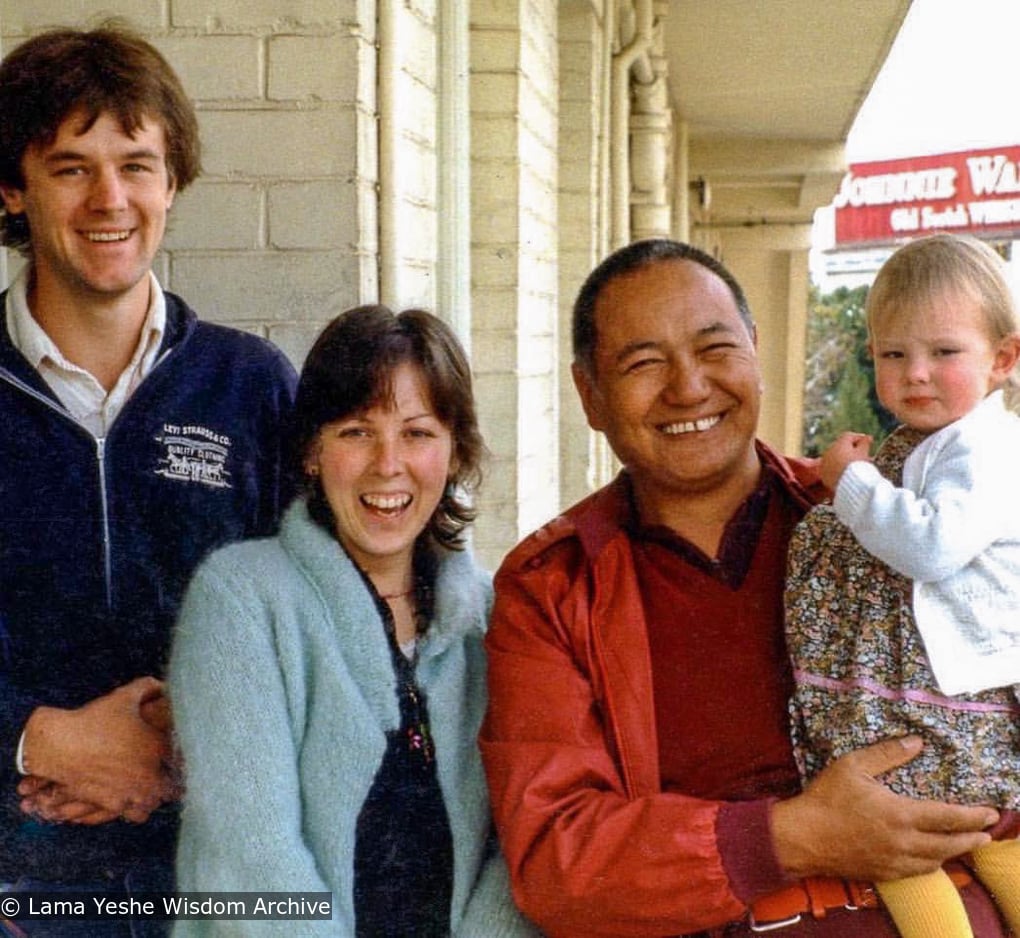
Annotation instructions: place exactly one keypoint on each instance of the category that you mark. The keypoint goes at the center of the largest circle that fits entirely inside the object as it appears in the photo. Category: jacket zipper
(104, 502)
(12, 379)
(101, 462)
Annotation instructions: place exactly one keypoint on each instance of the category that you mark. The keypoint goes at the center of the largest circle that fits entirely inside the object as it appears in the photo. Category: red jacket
(595, 848)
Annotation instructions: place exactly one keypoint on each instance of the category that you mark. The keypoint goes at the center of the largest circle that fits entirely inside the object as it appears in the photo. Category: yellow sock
(926, 906)
(998, 867)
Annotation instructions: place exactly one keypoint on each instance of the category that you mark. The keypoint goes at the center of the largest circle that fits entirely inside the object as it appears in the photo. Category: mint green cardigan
(283, 691)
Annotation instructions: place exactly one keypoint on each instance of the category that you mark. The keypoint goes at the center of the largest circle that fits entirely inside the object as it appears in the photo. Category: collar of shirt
(83, 396)
(739, 540)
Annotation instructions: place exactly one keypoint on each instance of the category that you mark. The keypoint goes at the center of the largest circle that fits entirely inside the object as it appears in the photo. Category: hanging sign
(974, 191)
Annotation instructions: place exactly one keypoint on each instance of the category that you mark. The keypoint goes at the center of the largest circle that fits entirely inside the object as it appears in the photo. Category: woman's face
(383, 472)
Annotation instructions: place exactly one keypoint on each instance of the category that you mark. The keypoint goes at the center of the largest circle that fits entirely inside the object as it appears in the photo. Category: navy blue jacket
(99, 537)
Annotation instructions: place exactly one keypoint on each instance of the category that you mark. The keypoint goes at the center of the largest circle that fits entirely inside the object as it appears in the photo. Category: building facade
(478, 158)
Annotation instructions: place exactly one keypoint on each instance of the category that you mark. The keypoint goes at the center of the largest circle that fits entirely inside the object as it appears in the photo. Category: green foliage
(839, 391)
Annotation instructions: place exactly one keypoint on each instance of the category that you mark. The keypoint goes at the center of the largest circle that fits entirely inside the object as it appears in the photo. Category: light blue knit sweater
(283, 691)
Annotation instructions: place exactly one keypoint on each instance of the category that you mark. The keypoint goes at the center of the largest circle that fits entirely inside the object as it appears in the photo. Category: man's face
(676, 385)
(96, 204)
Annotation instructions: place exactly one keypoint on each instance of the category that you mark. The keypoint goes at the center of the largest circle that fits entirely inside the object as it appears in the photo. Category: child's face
(935, 364)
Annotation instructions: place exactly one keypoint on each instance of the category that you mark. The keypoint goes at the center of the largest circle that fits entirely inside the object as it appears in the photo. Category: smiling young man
(636, 741)
(134, 440)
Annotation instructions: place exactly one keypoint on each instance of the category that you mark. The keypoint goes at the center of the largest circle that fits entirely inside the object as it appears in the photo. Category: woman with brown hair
(328, 684)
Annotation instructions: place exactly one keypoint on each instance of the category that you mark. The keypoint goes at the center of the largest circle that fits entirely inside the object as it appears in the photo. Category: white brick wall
(21, 17)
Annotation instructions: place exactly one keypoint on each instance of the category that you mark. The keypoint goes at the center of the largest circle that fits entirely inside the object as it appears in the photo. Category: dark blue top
(98, 540)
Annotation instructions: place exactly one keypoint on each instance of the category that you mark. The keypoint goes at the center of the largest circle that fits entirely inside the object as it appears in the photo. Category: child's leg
(998, 867)
(926, 906)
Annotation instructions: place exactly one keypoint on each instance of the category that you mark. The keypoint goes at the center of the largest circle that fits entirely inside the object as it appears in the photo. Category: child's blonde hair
(922, 271)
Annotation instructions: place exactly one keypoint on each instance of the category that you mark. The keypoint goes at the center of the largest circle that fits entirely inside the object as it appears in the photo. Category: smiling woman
(382, 473)
(358, 631)
(374, 374)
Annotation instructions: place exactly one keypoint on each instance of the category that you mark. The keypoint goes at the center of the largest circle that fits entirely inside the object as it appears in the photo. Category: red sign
(976, 191)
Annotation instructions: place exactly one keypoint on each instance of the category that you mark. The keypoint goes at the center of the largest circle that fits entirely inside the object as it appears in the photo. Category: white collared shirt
(78, 390)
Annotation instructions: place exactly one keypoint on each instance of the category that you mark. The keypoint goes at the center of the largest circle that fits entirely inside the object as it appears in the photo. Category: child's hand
(848, 448)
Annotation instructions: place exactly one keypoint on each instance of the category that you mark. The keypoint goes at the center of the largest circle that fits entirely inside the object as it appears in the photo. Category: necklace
(407, 592)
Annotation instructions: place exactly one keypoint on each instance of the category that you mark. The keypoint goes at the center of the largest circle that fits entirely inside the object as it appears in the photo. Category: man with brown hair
(134, 439)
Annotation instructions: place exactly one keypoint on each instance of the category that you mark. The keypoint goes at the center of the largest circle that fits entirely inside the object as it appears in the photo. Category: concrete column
(583, 225)
(651, 143)
(453, 267)
(771, 264)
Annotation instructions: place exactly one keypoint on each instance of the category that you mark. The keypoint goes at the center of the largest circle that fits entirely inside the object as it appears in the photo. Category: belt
(818, 895)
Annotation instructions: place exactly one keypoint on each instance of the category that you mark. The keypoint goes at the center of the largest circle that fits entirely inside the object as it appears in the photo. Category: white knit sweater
(954, 529)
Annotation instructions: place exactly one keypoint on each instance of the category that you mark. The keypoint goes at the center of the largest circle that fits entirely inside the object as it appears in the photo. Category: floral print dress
(862, 675)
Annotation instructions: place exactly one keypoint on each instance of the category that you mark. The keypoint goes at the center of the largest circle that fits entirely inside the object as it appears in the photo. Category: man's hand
(848, 824)
(847, 448)
(155, 710)
(51, 802)
(103, 760)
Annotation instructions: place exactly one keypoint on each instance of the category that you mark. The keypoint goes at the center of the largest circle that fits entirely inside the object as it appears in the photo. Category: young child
(903, 597)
